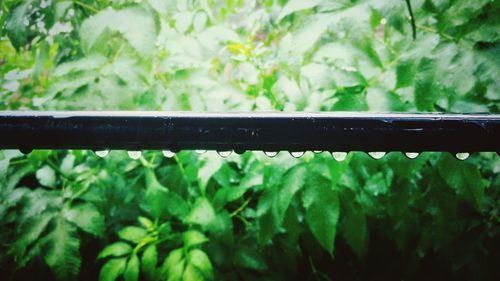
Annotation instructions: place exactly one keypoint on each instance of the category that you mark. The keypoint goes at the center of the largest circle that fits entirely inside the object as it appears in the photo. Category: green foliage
(116, 250)
(112, 269)
(322, 212)
(246, 217)
(63, 250)
(465, 179)
(46, 176)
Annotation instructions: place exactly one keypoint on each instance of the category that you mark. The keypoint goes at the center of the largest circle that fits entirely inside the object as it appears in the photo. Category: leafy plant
(69, 215)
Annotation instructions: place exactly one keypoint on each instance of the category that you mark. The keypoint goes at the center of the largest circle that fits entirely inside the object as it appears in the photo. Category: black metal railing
(332, 131)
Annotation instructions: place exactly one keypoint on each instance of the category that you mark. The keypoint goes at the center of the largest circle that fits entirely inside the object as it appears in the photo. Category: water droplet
(200, 151)
(297, 154)
(239, 151)
(462, 155)
(168, 153)
(339, 156)
(412, 155)
(376, 155)
(317, 151)
(134, 154)
(25, 151)
(102, 153)
(224, 154)
(271, 153)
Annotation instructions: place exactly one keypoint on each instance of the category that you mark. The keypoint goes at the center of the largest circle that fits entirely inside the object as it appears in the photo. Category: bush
(70, 215)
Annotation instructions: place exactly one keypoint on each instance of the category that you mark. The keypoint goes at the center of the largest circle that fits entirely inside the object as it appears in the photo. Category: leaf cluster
(197, 216)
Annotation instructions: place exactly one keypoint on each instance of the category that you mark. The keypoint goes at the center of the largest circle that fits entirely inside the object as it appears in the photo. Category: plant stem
(86, 6)
(181, 168)
(412, 20)
(20, 161)
(54, 166)
(446, 36)
(240, 208)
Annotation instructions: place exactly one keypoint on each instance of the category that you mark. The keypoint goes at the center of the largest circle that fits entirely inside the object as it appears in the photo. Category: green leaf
(112, 269)
(351, 100)
(171, 201)
(460, 12)
(297, 5)
(5, 157)
(131, 272)
(276, 200)
(200, 261)
(292, 182)
(63, 253)
(191, 273)
(425, 95)
(464, 178)
(133, 234)
(46, 176)
(405, 73)
(322, 214)
(173, 266)
(149, 261)
(210, 164)
(31, 231)
(87, 218)
(229, 193)
(456, 66)
(140, 32)
(68, 163)
(293, 46)
(193, 238)
(246, 257)
(88, 63)
(378, 184)
(160, 200)
(16, 27)
(202, 212)
(309, 194)
(183, 21)
(381, 100)
(353, 224)
(147, 223)
(116, 249)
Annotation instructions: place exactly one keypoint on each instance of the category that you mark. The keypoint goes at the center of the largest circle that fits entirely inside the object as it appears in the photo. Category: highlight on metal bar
(239, 132)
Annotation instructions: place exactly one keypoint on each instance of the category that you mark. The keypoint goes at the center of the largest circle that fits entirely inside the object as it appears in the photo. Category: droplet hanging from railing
(134, 154)
(462, 155)
(297, 154)
(377, 154)
(412, 155)
(339, 156)
(102, 153)
(200, 151)
(225, 154)
(25, 151)
(168, 153)
(271, 153)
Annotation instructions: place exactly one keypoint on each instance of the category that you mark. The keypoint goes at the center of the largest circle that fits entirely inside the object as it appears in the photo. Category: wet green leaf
(131, 272)
(115, 250)
(322, 214)
(202, 212)
(149, 261)
(132, 233)
(46, 176)
(112, 269)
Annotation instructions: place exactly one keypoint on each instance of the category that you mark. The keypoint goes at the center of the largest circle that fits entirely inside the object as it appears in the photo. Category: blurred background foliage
(70, 215)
